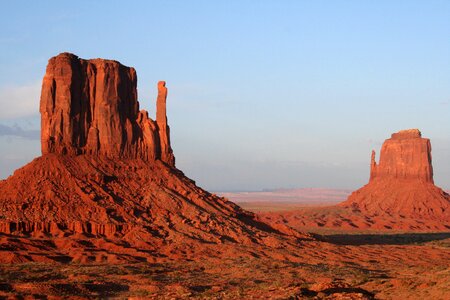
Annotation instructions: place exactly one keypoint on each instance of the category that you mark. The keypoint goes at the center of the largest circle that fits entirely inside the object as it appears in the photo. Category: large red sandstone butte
(91, 107)
(106, 187)
(401, 184)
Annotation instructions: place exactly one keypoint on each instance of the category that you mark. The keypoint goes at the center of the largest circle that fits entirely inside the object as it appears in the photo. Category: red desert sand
(105, 213)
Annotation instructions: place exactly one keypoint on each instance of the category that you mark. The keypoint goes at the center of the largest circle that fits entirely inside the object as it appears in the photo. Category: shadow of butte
(384, 239)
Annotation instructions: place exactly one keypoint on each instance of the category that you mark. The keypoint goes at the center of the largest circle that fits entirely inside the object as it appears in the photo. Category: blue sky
(262, 94)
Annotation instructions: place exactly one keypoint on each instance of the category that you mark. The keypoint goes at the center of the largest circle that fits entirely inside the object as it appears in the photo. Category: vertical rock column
(163, 129)
(373, 166)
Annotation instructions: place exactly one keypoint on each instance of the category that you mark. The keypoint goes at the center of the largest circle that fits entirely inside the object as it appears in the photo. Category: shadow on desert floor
(385, 239)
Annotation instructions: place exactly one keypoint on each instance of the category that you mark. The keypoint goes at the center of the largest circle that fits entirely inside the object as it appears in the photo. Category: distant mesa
(401, 184)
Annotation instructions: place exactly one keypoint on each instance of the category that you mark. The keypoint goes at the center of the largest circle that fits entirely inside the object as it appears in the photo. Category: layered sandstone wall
(406, 155)
(91, 107)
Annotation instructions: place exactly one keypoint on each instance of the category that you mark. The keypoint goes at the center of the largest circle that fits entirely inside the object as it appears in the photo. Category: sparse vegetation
(240, 277)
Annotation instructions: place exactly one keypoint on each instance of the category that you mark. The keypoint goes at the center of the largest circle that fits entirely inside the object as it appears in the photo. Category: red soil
(332, 218)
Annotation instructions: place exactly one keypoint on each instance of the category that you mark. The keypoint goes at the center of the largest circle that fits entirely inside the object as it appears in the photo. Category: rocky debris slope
(106, 187)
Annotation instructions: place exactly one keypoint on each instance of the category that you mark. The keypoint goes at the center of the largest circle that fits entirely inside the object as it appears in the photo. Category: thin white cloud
(18, 131)
(19, 101)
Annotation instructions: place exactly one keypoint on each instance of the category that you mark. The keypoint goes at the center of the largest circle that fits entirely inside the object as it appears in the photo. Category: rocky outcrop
(52, 228)
(91, 107)
(405, 156)
(106, 181)
(401, 184)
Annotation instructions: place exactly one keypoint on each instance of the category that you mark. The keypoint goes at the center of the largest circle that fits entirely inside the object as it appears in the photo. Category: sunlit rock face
(406, 155)
(91, 107)
(107, 179)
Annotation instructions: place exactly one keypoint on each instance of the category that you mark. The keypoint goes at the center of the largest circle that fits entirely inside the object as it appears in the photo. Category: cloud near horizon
(19, 101)
(17, 131)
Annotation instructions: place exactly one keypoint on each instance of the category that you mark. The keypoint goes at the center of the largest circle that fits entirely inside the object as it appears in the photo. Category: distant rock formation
(91, 107)
(405, 156)
(401, 184)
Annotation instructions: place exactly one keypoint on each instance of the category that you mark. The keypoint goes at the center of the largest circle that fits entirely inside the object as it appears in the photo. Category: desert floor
(341, 264)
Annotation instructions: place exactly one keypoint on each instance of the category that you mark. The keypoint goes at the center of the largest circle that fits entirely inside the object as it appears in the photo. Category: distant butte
(405, 156)
(401, 184)
(400, 195)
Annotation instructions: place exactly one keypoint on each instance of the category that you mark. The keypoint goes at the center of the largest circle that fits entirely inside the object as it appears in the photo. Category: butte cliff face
(106, 187)
(91, 107)
(405, 156)
(401, 184)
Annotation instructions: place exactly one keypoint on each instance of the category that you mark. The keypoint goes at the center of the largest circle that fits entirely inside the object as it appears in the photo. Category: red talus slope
(136, 209)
